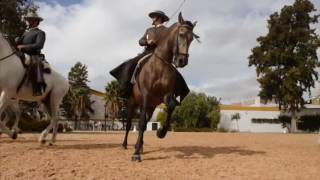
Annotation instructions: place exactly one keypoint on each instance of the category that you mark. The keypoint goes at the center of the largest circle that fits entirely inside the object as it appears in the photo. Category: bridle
(176, 51)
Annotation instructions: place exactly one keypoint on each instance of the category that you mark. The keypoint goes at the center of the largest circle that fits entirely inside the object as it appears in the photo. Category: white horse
(11, 75)
(14, 107)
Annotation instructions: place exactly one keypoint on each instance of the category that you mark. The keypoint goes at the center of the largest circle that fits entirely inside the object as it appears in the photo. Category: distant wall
(246, 122)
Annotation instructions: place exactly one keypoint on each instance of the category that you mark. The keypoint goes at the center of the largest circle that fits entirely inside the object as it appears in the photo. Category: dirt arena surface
(178, 156)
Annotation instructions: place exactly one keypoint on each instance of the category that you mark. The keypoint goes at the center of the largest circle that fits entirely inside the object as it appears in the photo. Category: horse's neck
(5, 48)
(11, 67)
(165, 47)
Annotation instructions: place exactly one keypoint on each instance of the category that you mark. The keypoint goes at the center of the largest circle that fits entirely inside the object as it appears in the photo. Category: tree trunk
(238, 126)
(294, 118)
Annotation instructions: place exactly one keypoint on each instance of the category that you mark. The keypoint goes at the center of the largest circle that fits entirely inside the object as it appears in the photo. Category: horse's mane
(3, 38)
(188, 23)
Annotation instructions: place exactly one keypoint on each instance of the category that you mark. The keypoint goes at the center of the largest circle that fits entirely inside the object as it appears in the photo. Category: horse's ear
(195, 23)
(181, 20)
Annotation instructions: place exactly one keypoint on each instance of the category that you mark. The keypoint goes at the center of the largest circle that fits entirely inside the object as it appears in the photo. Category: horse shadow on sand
(200, 152)
(81, 146)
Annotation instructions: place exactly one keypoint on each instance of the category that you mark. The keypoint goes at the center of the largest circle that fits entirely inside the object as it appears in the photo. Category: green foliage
(77, 102)
(286, 58)
(162, 117)
(197, 111)
(310, 123)
(113, 102)
(11, 12)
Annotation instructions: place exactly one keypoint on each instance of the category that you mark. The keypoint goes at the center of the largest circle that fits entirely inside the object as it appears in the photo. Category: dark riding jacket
(124, 71)
(33, 40)
(154, 32)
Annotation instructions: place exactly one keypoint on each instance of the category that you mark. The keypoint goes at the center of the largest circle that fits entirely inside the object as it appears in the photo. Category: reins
(13, 52)
(157, 56)
(6, 57)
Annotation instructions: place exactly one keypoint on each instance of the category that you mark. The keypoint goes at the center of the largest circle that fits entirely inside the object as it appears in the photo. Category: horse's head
(184, 37)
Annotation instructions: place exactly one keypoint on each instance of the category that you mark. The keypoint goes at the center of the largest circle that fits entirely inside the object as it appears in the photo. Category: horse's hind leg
(129, 123)
(16, 109)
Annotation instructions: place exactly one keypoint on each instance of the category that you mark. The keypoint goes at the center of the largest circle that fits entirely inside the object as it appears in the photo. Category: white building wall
(245, 121)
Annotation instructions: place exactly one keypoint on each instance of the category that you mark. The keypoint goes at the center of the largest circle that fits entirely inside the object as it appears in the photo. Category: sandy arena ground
(178, 156)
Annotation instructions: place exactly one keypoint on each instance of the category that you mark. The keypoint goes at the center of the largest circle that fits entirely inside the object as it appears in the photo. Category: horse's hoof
(124, 147)
(161, 133)
(51, 144)
(43, 141)
(136, 158)
(14, 135)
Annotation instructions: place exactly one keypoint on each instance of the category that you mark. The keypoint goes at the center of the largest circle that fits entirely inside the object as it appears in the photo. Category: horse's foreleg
(4, 98)
(142, 127)
(162, 132)
(44, 133)
(129, 123)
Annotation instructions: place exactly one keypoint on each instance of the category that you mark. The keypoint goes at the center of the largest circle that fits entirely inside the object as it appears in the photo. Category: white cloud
(103, 33)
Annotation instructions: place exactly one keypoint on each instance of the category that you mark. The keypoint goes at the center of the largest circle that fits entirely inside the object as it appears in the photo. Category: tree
(11, 13)
(162, 115)
(236, 117)
(113, 102)
(286, 58)
(77, 104)
(197, 111)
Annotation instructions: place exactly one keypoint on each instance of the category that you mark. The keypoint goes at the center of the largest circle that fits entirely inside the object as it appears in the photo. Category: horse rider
(124, 72)
(31, 43)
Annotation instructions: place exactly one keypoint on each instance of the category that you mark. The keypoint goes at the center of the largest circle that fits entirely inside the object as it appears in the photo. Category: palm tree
(236, 117)
(112, 100)
(80, 104)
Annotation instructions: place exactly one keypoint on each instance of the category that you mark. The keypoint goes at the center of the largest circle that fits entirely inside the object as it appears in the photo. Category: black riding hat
(161, 14)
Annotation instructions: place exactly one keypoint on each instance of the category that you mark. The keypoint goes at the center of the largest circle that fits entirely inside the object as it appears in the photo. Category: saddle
(26, 61)
(35, 66)
(138, 67)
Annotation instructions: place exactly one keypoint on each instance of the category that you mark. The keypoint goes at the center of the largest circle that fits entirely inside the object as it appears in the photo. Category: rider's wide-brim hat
(33, 16)
(160, 14)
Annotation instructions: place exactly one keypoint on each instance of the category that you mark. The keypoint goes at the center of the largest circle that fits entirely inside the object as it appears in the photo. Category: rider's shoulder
(40, 30)
(150, 28)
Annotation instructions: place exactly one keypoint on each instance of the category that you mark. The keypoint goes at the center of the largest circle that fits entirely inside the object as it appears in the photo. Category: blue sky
(63, 2)
(104, 33)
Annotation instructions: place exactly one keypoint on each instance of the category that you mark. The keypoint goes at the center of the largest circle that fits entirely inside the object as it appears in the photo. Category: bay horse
(156, 81)
(12, 74)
